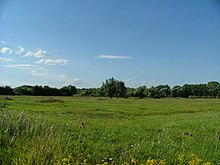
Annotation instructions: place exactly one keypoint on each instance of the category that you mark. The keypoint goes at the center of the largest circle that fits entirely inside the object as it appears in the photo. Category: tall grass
(113, 131)
(25, 140)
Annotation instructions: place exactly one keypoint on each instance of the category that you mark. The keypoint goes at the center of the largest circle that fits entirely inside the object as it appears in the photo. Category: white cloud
(5, 59)
(29, 53)
(38, 54)
(21, 66)
(62, 77)
(52, 62)
(20, 50)
(6, 50)
(39, 72)
(73, 81)
(147, 83)
(78, 82)
(113, 57)
(35, 70)
(132, 83)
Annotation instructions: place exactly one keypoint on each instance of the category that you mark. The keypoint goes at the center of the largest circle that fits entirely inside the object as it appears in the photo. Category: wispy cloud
(35, 70)
(38, 54)
(6, 50)
(74, 81)
(5, 59)
(78, 82)
(147, 83)
(52, 62)
(113, 57)
(21, 66)
(20, 50)
(133, 83)
(39, 72)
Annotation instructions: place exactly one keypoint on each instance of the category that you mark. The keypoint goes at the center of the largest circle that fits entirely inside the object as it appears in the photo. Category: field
(90, 130)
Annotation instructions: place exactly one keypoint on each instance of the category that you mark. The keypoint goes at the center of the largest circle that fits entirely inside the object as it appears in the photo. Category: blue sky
(84, 42)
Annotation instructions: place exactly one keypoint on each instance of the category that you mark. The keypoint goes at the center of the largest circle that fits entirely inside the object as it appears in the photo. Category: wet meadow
(100, 130)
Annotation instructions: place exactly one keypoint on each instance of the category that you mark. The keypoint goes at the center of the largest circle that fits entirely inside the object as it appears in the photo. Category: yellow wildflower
(133, 160)
(151, 162)
(65, 161)
(85, 162)
(162, 162)
(181, 157)
(207, 163)
(195, 160)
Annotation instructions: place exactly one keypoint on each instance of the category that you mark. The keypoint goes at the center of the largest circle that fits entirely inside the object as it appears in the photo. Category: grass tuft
(25, 140)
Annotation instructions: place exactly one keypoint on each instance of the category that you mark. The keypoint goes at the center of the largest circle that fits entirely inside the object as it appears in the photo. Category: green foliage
(213, 88)
(45, 90)
(89, 92)
(113, 88)
(140, 92)
(7, 90)
(68, 90)
(176, 91)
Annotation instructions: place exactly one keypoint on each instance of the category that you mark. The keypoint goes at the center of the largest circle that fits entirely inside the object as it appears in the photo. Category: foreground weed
(192, 160)
(195, 160)
(26, 141)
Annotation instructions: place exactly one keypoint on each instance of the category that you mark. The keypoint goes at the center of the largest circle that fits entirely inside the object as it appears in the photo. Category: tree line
(115, 88)
(38, 90)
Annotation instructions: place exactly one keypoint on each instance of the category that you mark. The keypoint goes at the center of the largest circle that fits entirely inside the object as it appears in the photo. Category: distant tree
(88, 92)
(68, 90)
(45, 90)
(24, 90)
(186, 90)
(213, 84)
(6, 90)
(120, 89)
(200, 90)
(213, 88)
(163, 91)
(139, 92)
(130, 92)
(113, 88)
(38, 90)
(176, 91)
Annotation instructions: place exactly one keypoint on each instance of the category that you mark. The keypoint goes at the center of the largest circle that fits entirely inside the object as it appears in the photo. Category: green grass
(115, 129)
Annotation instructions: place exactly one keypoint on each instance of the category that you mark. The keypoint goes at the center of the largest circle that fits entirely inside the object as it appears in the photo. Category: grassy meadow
(96, 130)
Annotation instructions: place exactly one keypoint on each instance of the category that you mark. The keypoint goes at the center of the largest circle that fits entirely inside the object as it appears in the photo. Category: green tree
(120, 89)
(24, 90)
(139, 92)
(213, 88)
(113, 88)
(7, 90)
(130, 92)
(176, 91)
(68, 90)
(163, 91)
